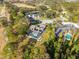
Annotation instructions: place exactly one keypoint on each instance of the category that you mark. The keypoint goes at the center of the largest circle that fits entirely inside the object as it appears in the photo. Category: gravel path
(23, 5)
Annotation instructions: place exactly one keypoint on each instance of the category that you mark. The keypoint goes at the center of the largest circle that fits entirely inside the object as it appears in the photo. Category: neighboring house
(35, 31)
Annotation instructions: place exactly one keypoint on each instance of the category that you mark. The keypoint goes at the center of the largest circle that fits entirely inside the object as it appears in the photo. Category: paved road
(71, 23)
(50, 21)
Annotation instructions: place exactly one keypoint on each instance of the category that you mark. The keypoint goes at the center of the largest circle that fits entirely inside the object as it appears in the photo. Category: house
(35, 31)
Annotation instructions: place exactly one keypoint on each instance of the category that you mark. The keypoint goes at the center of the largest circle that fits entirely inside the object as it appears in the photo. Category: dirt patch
(24, 5)
(2, 41)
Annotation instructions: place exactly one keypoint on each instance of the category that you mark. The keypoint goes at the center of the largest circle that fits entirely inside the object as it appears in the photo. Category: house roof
(36, 30)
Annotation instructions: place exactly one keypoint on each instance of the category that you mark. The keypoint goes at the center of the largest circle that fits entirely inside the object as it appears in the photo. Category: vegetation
(19, 46)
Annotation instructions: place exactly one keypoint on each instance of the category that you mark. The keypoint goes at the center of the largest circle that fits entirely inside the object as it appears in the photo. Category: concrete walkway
(48, 21)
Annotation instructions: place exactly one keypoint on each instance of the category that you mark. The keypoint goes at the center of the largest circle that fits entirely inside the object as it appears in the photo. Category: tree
(26, 54)
(9, 50)
(21, 26)
(4, 22)
(10, 35)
